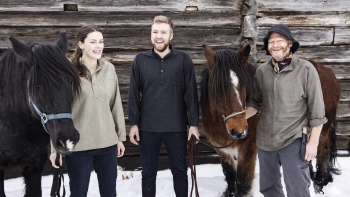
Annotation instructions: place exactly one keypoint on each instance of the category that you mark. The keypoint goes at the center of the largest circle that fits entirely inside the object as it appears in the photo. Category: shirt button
(161, 70)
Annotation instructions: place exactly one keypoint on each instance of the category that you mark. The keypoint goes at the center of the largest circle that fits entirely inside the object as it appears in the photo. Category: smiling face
(161, 35)
(279, 46)
(92, 46)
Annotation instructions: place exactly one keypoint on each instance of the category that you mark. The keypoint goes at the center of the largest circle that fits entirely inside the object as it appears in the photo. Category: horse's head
(228, 88)
(52, 83)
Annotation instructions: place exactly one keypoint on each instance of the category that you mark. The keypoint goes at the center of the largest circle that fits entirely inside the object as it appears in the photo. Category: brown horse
(226, 85)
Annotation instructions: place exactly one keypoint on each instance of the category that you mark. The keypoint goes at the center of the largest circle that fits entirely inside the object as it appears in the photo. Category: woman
(99, 118)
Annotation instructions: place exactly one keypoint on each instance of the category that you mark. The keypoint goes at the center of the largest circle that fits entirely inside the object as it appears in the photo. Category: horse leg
(32, 175)
(230, 172)
(2, 187)
(246, 169)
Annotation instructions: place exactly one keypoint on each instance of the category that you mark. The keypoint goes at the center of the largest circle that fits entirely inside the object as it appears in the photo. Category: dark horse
(35, 78)
(226, 86)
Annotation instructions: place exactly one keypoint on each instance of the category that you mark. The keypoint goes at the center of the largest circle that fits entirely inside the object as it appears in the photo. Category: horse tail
(333, 152)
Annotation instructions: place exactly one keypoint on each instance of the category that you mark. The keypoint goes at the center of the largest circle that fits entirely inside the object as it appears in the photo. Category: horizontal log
(322, 54)
(341, 36)
(306, 36)
(303, 5)
(303, 20)
(129, 38)
(117, 19)
(120, 5)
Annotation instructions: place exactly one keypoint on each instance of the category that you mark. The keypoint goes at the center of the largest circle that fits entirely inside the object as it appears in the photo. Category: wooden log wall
(321, 27)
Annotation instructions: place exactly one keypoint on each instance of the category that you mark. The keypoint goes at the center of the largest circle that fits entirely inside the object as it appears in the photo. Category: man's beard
(161, 48)
(284, 55)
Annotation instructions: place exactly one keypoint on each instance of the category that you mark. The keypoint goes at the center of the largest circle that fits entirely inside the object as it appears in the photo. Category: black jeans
(176, 146)
(79, 166)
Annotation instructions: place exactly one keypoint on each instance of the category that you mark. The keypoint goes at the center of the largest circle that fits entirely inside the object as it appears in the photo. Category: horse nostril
(233, 132)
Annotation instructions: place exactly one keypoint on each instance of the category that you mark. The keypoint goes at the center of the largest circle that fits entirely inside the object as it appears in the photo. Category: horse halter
(46, 117)
(232, 115)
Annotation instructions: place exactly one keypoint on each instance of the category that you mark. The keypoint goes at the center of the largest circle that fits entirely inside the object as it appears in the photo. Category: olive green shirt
(98, 113)
(285, 99)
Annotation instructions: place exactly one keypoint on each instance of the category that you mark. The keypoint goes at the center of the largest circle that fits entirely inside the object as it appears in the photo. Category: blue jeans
(176, 146)
(79, 165)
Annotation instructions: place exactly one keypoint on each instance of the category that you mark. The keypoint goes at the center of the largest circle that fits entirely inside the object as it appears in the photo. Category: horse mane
(220, 89)
(46, 68)
(13, 72)
(49, 67)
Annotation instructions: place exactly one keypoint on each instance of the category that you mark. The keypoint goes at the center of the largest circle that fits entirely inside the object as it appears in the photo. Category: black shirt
(163, 92)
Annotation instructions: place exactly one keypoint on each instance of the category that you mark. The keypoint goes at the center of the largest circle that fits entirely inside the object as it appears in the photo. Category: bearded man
(287, 92)
(162, 106)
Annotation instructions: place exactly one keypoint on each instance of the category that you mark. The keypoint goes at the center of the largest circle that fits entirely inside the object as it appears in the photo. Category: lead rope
(193, 157)
(58, 180)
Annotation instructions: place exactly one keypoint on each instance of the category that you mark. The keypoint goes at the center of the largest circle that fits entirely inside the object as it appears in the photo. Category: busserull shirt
(163, 92)
(285, 99)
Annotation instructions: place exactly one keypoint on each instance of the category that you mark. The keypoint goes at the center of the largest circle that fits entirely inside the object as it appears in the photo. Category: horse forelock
(50, 69)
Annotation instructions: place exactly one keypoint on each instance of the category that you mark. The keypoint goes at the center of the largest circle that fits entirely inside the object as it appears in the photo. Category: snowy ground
(210, 180)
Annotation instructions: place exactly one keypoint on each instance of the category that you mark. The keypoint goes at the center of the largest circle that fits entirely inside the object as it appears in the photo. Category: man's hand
(193, 130)
(134, 135)
(312, 144)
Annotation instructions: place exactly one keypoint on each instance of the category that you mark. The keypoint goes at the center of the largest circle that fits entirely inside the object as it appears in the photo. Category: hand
(121, 149)
(134, 135)
(193, 130)
(311, 150)
(53, 159)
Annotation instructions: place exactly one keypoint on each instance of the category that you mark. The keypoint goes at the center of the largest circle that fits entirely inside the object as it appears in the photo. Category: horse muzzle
(236, 135)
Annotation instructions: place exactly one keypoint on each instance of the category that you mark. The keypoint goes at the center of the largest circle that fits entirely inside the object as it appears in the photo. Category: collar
(156, 54)
(279, 66)
(100, 64)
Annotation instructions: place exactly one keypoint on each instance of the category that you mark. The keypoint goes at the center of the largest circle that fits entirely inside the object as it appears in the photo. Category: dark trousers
(295, 172)
(176, 146)
(79, 165)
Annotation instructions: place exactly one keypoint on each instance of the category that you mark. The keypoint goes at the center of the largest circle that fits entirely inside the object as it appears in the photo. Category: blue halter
(44, 117)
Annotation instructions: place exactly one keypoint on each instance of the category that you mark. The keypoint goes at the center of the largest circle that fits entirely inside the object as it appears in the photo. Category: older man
(287, 92)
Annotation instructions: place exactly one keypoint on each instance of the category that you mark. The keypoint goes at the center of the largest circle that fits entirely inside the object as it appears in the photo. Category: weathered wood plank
(304, 20)
(129, 38)
(115, 18)
(120, 5)
(306, 36)
(341, 36)
(303, 5)
(334, 54)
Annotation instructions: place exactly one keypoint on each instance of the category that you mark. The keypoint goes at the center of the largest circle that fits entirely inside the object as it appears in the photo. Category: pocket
(177, 77)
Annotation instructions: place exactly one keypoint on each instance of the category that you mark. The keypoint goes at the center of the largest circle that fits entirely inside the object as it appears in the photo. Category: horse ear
(20, 49)
(62, 42)
(209, 54)
(243, 53)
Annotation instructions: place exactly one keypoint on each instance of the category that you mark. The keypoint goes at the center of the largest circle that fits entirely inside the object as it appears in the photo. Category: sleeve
(118, 113)
(256, 99)
(191, 96)
(315, 101)
(134, 94)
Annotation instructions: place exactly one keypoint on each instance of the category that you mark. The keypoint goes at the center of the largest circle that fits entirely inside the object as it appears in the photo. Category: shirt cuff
(317, 122)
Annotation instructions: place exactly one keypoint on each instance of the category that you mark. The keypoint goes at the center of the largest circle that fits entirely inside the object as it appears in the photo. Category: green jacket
(285, 99)
(98, 113)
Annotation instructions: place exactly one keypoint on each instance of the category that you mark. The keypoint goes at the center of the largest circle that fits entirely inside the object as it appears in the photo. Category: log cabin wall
(321, 27)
